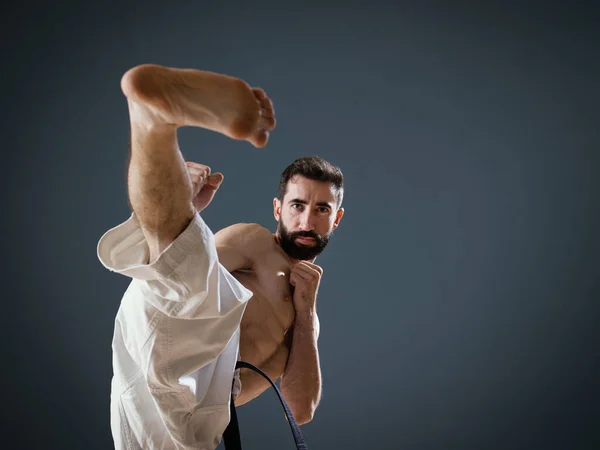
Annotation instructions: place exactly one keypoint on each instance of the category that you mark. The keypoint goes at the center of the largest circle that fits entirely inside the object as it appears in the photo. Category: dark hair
(314, 168)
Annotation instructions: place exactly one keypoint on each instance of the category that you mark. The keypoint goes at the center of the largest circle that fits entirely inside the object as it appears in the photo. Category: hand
(204, 184)
(305, 277)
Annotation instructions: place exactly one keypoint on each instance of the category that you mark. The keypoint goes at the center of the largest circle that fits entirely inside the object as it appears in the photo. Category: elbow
(303, 419)
(303, 415)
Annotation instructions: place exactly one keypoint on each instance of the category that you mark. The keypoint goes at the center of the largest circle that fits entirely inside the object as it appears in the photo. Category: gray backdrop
(459, 305)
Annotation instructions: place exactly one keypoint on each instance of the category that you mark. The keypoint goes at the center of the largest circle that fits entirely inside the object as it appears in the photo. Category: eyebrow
(304, 202)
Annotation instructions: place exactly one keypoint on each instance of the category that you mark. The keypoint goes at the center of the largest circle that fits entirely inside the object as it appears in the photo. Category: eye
(323, 210)
(297, 206)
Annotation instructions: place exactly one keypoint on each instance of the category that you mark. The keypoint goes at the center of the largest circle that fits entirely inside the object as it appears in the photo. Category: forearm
(301, 381)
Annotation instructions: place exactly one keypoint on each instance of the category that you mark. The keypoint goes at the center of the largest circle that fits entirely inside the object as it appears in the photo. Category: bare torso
(265, 340)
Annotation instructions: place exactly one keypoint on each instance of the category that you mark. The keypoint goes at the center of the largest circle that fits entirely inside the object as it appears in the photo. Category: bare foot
(160, 95)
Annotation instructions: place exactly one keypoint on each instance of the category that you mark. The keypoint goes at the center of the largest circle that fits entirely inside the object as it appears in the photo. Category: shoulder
(242, 245)
(245, 236)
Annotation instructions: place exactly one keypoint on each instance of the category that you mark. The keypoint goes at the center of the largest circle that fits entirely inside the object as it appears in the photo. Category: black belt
(231, 436)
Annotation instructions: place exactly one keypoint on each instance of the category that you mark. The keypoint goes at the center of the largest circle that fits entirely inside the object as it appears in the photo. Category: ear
(276, 209)
(338, 217)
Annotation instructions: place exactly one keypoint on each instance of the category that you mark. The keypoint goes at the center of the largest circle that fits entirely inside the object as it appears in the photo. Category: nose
(307, 222)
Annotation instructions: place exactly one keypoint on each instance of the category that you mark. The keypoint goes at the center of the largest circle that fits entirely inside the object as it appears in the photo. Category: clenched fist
(204, 184)
(305, 277)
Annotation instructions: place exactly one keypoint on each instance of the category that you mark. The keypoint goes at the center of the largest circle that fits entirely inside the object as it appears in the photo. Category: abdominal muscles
(267, 319)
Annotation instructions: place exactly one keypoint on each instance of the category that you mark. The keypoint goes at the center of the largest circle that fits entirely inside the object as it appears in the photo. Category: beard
(295, 250)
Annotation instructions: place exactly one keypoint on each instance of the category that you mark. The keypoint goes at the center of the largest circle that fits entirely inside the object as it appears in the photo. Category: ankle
(148, 118)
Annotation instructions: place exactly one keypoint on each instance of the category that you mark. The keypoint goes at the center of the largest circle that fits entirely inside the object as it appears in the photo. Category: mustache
(306, 234)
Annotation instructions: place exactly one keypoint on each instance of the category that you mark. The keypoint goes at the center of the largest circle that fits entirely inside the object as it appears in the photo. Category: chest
(271, 303)
(273, 279)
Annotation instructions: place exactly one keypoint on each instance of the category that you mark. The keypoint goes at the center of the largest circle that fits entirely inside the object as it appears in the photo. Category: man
(199, 301)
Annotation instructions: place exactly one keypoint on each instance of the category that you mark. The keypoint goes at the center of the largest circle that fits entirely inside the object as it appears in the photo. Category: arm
(301, 380)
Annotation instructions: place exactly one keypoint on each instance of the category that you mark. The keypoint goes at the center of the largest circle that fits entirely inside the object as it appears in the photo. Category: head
(308, 207)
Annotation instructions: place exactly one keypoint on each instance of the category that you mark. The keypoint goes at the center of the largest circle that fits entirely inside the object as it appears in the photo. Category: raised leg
(160, 101)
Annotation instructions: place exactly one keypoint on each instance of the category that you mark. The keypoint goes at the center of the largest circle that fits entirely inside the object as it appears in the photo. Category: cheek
(326, 224)
(288, 218)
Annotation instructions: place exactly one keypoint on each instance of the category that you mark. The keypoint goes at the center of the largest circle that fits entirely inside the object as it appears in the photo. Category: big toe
(259, 137)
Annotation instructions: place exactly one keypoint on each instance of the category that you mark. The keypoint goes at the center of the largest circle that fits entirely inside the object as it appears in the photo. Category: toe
(259, 93)
(266, 112)
(266, 120)
(259, 138)
(267, 105)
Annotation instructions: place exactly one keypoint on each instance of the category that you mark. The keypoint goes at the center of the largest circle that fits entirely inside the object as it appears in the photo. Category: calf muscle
(160, 191)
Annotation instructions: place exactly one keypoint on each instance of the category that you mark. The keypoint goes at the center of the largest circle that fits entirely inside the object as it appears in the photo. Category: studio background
(459, 303)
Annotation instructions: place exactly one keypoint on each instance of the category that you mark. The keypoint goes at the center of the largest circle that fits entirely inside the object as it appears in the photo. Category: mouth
(305, 240)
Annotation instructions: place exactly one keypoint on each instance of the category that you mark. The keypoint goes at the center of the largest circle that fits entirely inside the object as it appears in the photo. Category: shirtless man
(199, 301)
